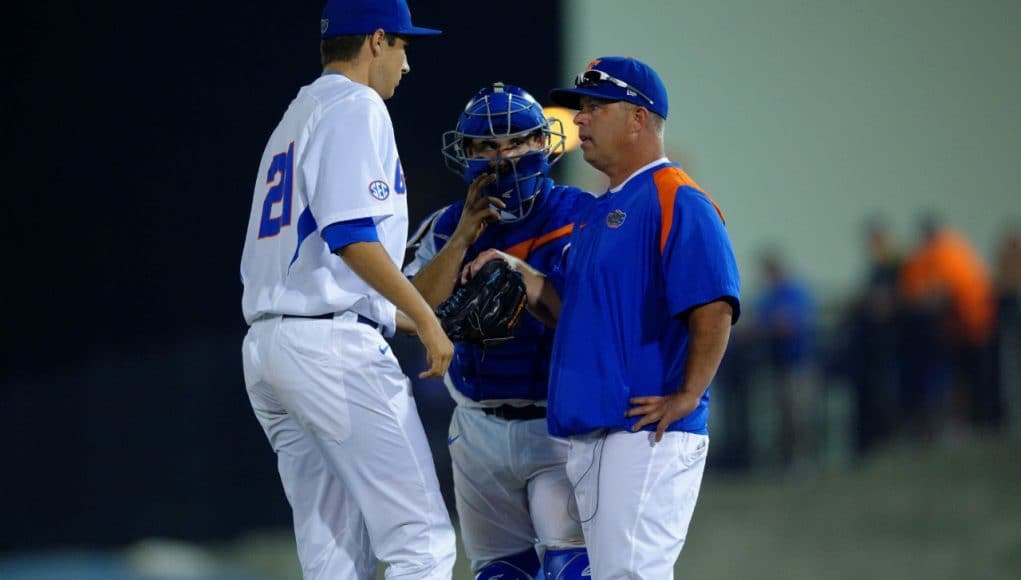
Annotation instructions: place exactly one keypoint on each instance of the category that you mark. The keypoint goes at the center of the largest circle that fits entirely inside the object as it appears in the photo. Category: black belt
(329, 315)
(512, 413)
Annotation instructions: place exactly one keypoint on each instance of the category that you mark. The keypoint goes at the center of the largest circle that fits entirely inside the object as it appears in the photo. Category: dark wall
(135, 133)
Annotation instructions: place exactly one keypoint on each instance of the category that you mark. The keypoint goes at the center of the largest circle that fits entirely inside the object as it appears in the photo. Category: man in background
(951, 311)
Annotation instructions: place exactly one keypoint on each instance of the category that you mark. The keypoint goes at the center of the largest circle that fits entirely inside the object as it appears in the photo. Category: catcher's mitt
(485, 310)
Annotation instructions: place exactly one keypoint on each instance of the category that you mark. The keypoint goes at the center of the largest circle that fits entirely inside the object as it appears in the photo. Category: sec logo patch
(379, 190)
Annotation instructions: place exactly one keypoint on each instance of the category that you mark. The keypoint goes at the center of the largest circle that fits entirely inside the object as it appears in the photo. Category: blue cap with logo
(350, 17)
(617, 78)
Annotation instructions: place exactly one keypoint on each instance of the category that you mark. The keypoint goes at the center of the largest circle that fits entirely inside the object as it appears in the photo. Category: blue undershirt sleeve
(341, 234)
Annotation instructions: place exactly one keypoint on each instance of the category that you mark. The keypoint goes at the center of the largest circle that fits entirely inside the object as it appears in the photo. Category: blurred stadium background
(866, 423)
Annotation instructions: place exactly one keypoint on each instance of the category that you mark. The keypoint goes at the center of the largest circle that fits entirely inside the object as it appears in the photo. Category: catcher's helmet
(500, 111)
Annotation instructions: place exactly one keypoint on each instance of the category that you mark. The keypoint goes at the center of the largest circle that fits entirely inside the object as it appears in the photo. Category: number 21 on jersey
(280, 179)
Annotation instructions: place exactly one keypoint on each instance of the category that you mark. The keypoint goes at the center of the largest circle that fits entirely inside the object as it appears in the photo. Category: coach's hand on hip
(662, 410)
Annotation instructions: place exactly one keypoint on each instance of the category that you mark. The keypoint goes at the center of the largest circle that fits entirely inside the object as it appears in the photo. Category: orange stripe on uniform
(667, 181)
(523, 249)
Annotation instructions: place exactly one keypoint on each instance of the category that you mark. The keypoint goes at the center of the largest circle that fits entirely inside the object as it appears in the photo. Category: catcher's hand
(486, 309)
(478, 211)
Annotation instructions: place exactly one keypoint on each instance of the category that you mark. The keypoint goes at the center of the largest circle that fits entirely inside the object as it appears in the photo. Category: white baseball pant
(351, 452)
(510, 486)
(635, 499)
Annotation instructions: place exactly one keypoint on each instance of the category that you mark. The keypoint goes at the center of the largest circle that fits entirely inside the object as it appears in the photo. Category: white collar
(659, 161)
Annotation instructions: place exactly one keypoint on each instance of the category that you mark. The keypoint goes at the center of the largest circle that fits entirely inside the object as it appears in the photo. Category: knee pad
(520, 566)
(570, 564)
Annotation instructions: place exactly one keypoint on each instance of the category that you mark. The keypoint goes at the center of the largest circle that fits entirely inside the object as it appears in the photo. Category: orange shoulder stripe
(522, 250)
(667, 181)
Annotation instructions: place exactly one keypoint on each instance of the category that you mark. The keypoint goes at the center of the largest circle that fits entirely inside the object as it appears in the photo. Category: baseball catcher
(512, 499)
(486, 309)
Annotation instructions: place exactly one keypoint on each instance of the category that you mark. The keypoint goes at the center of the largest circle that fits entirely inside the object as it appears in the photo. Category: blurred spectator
(869, 354)
(1008, 272)
(949, 324)
(785, 322)
(731, 423)
(1008, 287)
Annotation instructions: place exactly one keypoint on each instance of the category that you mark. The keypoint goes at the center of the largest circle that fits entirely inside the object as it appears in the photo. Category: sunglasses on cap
(592, 77)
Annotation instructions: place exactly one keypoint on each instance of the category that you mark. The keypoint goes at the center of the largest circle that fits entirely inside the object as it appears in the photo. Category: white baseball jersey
(329, 392)
(332, 158)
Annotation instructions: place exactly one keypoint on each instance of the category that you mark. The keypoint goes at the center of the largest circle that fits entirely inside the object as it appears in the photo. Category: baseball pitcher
(322, 287)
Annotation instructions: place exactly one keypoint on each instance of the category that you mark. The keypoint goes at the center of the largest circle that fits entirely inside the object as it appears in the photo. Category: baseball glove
(486, 309)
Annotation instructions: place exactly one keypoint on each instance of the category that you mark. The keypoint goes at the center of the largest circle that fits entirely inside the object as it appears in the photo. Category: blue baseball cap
(349, 17)
(617, 78)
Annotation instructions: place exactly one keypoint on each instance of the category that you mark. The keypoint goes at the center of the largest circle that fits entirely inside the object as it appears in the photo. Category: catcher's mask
(505, 111)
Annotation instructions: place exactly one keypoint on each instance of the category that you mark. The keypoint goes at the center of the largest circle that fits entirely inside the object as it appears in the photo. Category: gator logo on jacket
(615, 218)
